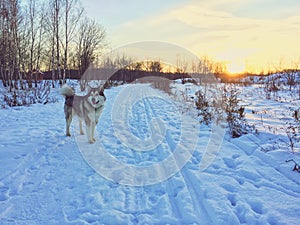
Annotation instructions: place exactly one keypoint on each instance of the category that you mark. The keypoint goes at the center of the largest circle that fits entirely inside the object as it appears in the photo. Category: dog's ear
(101, 91)
(88, 88)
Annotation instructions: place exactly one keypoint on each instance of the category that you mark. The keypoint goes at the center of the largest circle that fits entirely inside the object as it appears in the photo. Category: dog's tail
(66, 90)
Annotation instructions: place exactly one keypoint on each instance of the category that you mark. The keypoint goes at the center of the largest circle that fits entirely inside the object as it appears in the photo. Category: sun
(236, 67)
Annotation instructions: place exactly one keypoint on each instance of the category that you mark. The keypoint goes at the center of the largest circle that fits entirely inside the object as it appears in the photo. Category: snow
(47, 178)
(278, 78)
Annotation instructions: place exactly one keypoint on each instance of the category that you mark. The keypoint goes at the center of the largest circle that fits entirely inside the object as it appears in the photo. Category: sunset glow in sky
(247, 35)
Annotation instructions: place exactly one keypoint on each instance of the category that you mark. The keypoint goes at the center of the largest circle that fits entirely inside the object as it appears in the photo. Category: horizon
(249, 36)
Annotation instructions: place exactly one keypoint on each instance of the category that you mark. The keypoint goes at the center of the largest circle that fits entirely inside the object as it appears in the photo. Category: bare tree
(147, 65)
(289, 72)
(73, 14)
(35, 31)
(181, 68)
(9, 42)
(4, 23)
(23, 53)
(219, 68)
(14, 8)
(41, 34)
(45, 34)
(203, 69)
(56, 33)
(90, 39)
(182, 65)
(156, 66)
(53, 21)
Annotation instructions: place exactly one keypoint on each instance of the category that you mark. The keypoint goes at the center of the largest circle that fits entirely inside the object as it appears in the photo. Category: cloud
(213, 28)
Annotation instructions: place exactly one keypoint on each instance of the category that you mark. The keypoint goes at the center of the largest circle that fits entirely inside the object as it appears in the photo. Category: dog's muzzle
(94, 101)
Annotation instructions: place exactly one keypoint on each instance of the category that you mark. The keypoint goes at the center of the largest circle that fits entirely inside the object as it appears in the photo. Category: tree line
(49, 35)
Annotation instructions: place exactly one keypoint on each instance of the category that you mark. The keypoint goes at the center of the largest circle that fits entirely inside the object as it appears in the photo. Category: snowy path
(45, 180)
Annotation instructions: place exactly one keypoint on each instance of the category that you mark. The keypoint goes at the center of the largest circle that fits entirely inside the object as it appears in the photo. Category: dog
(87, 108)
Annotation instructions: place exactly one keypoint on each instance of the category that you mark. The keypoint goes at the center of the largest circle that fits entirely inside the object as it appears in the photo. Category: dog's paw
(92, 141)
(68, 134)
(81, 133)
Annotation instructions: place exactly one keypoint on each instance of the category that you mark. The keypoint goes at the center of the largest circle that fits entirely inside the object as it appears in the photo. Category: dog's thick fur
(87, 108)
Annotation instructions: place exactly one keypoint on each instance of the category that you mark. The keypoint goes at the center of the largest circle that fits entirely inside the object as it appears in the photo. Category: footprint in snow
(232, 162)
(257, 207)
(3, 193)
(232, 198)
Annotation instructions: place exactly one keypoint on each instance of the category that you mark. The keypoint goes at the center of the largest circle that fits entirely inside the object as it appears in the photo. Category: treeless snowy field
(45, 177)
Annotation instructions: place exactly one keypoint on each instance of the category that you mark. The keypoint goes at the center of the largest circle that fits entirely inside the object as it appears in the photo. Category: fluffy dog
(87, 108)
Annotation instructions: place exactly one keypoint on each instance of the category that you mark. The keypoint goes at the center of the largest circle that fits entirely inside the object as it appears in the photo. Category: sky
(252, 35)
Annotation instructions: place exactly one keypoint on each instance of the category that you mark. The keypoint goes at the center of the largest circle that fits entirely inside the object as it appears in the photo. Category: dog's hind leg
(68, 123)
(80, 127)
(68, 114)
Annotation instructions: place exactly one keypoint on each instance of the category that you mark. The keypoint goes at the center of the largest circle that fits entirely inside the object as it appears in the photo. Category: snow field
(44, 178)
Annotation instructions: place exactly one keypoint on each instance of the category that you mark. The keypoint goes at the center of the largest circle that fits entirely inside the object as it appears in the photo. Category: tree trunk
(57, 6)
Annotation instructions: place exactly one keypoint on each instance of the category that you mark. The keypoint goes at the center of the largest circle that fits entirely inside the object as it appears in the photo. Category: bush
(235, 114)
(202, 104)
(293, 130)
(224, 107)
(28, 96)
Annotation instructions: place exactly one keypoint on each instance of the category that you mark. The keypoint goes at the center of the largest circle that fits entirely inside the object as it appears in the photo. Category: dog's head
(96, 97)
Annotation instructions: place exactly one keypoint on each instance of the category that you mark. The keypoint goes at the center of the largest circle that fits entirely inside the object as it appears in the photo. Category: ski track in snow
(45, 180)
(186, 183)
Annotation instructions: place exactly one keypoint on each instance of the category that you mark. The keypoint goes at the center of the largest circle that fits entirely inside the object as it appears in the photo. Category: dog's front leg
(80, 127)
(89, 133)
(93, 127)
